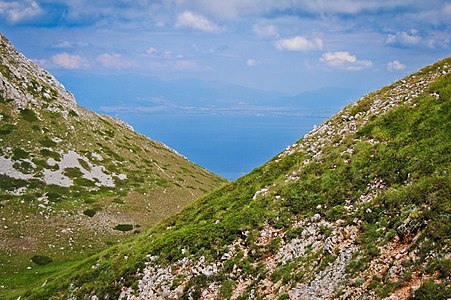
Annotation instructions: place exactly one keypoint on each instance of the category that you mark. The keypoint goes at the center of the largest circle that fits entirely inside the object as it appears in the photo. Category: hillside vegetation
(73, 182)
(359, 208)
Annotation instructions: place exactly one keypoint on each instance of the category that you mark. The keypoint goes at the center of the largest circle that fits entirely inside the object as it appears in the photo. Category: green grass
(432, 291)
(413, 147)
(36, 134)
(17, 283)
(411, 158)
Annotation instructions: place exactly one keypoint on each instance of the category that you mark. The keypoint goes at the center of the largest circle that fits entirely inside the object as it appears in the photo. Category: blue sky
(283, 45)
(132, 59)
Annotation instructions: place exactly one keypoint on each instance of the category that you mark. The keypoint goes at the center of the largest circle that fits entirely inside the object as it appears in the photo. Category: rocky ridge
(28, 84)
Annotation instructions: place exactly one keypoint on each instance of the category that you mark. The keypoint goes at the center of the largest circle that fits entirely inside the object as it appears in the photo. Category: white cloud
(437, 43)
(64, 44)
(395, 65)
(403, 39)
(43, 63)
(195, 21)
(411, 38)
(299, 43)
(252, 62)
(168, 54)
(115, 61)
(179, 65)
(68, 61)
(345, 61)
(268, 31)
(160, 24)
(447, 9)
(16, 11)
(232, 9)
(185, 65)
(152, 51)
(348, 6)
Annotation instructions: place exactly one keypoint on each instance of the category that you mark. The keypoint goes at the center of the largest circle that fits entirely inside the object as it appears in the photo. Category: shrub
(227, 289)
(73, 172)
(118, 201)
(41, 259)
(432, 291)
(6, 129)
(28, 115)
(47, 143)
(8, 183)
(336, 212)
(8, 74)
(274, 245)
(54, 196)
(84, 164)
(50, 154)
(19, 153)
(124, 227)
(292, 233)
(90, 212)
(84, 182)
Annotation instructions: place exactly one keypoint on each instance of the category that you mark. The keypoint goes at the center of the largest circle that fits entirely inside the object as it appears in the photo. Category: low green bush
(41, 259)
(90, 212)
(19, 153)
(6, 129)
(124, 227)
(28, 115)
(432, 291)
(47, 143)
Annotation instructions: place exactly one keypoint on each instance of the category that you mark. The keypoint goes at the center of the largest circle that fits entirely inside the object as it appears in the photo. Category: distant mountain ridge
(202, 97)
(357, 209)
(72, 181)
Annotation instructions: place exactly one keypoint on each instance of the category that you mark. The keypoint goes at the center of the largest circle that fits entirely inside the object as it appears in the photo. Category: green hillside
(359, 208)
(73, 182)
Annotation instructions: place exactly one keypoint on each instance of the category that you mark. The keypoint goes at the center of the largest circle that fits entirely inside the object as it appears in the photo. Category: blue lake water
(228, 145)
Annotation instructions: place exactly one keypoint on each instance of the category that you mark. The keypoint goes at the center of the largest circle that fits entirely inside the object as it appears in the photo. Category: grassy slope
(406, 148)
(51, 220)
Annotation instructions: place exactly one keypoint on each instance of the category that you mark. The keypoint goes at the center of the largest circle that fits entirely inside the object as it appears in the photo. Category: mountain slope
(359, 208)
(73, 182)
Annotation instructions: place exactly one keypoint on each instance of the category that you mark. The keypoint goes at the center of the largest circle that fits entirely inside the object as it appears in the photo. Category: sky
(282, 45)
(219, 54)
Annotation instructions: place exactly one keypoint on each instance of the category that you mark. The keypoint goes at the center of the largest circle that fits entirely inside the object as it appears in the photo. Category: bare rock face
(28, 84)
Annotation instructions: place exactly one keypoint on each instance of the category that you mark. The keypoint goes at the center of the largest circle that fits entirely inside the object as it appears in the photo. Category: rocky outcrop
(29, 85)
